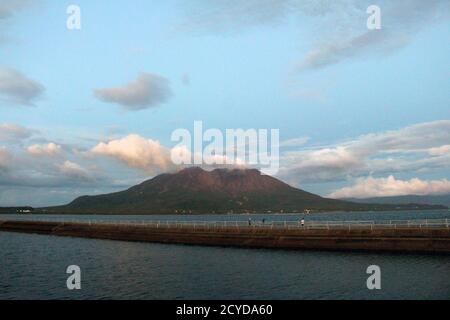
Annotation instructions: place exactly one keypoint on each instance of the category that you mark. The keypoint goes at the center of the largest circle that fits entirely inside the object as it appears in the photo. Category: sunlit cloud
(390, 186)
(136, 152)
(50, 149)
(404, 150)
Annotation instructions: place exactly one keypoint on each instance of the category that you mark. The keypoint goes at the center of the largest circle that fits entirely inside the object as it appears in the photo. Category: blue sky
(309, 68)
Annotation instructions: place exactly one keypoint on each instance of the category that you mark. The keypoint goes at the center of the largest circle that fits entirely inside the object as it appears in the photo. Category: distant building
(25, 210)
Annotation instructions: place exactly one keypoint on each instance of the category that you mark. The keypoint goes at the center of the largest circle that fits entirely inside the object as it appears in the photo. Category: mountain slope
(197, 191)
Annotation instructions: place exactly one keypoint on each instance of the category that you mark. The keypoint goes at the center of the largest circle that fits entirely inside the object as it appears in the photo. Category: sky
(361, 112)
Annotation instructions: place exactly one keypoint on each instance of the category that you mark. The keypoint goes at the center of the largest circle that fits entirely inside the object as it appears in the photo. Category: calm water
(33, 267)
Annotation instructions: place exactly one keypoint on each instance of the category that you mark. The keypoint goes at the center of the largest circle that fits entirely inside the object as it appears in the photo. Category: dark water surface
(34, 266)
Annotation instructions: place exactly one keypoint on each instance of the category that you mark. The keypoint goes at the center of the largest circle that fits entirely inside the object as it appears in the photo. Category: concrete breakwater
(407, 239)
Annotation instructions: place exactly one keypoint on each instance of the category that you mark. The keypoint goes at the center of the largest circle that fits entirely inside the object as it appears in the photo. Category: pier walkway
(255, 224)
(428, 236)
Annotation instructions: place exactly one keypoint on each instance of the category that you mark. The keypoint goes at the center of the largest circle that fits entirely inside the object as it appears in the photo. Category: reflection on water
(33, 267)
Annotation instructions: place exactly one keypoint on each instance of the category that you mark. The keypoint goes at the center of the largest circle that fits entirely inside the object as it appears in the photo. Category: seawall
(432, 240)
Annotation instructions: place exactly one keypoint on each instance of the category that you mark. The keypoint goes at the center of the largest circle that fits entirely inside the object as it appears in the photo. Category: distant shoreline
(222, 214)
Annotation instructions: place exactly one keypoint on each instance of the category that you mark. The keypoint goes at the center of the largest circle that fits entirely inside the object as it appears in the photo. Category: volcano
(196, 191)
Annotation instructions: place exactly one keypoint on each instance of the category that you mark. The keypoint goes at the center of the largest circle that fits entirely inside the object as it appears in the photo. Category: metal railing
(288, 225)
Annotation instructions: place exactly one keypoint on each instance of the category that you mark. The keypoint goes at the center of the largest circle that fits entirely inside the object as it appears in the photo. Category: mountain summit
(197, 191)
(230, 182)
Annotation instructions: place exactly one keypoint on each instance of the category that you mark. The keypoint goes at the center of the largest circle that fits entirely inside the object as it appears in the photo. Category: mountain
(197, 191)
(443, 200)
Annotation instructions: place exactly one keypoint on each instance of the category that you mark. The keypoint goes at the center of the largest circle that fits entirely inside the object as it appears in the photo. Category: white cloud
(404, 150)
(342, 23)
(17, 89)
(415, 138)
(337, 50)
(184, 157)
(439, 151)
(148, 90)
(401, 21)
(319, 165)
(73, 170)
(50, 149)
(14, 132)
(225, 16)
(136, 152)
(295, 142)
(390, 186)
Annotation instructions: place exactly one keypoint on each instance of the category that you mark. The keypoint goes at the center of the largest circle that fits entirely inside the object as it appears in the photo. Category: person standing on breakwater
(249, 221)
(302, 222)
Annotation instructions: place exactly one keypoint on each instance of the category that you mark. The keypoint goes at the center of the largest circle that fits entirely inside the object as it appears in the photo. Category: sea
(35, 266)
